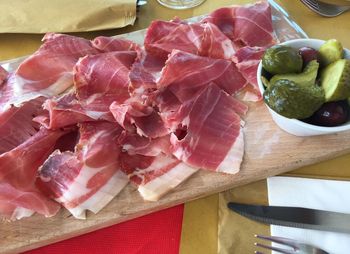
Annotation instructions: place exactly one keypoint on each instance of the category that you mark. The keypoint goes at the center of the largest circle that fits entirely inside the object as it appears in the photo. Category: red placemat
(158, 232)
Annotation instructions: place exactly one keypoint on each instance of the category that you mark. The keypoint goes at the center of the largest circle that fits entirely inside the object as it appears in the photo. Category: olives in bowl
(312, 100)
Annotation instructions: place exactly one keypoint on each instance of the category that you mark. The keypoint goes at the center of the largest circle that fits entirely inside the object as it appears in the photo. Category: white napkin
(327, 195)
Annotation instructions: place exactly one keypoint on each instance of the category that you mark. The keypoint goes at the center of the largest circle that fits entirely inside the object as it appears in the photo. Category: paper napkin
(327, 195)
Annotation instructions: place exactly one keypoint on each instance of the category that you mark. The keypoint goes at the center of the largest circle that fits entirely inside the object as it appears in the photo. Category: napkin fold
(327, 195)
(41, 16)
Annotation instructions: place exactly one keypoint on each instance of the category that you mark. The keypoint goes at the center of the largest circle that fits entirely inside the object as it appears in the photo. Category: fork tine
(313, 3)
(310, 6)
(279, 250)
(279, 240)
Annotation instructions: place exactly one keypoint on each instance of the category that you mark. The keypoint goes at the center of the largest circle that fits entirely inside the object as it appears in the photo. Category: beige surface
(200, 221)
(40, 16)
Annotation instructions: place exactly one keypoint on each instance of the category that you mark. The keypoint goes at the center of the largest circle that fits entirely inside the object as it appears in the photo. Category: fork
(295, 246)
(324, 9)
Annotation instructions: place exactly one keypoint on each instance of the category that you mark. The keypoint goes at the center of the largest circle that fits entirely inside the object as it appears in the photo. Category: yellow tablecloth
(201, 217)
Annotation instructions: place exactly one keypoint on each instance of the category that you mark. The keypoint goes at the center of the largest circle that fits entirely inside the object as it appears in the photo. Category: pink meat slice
(90, 177)
(155, 176)
(212, 119)
(145, 118)
(132, 143)
(18, 170)
(102, 79)
(48, 71)
(201, 39)
(247, 25)
(144, 73)
(108, 44)
(185, 73)
(62, 111)
(247, 60)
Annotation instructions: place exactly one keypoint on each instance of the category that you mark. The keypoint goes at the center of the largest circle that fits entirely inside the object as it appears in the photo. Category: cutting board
(268, 151)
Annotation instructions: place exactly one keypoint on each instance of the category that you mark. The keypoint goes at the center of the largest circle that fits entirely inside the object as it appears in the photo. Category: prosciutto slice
(48, 71)
(147, 121)
(155, 176)
(248, 25)
(102, 79)
(200, 39)
(247, 59)
(18, 168)
(88, 178)
(184, 73)
(212, 119)
(108, 44)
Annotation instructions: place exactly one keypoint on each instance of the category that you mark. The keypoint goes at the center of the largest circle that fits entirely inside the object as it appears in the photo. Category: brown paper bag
(41, 16)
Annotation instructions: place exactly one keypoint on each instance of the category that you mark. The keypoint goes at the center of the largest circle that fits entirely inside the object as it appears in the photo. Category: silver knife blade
(296, 217)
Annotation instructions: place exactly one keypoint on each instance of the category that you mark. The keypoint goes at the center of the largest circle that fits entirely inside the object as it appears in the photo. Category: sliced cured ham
(147, 121)
(185, 72)
(108, 44)
(88, 178)
(48, 71)
(247, 59)
(145, 73)
(102, 79)
(201, 39)
(132, 143)
(155, 176)
(62, 111)
(214, 138)
(18, 168)
(248, 25)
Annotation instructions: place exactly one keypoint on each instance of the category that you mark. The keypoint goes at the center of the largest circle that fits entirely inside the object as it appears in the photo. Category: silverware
(295, 217)
(295, 246)
(325, 9)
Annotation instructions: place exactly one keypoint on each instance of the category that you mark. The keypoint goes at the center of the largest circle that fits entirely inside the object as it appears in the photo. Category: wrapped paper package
(41, 16)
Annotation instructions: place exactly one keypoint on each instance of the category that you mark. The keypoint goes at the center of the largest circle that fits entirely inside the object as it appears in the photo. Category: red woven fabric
(155, 233)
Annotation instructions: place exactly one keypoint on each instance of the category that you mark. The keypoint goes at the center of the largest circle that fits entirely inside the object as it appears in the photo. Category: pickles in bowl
(311, 100)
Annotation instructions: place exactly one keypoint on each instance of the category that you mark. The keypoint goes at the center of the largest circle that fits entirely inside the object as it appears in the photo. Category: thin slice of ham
(186, 72)
(62, 111)
(214, 138)
(89, 178)
(3, 75)
(145, 118)
(102, 79)
(48, 71)
(109, 44)
(247, 60)
(155, 176)
(201, 39)
(18, 168)
(247, 25)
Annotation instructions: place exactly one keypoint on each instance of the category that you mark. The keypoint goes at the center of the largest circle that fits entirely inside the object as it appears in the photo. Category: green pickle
(335, 80)
(280, 59)
(306, 78)
(330, 51)
(291, 100)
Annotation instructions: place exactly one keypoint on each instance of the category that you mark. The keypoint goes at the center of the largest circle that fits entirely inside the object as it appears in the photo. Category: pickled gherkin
(280, 59)
(292, 100)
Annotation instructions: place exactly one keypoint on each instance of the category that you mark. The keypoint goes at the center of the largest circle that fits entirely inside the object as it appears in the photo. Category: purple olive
(331, 114)
(308, 54)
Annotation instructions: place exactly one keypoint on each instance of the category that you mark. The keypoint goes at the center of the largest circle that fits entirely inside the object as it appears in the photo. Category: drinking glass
(180, 4)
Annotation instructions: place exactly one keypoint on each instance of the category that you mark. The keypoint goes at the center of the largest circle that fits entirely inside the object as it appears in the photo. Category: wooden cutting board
(269, 151)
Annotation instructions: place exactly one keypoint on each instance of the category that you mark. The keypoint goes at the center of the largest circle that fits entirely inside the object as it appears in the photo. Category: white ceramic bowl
(294, 126)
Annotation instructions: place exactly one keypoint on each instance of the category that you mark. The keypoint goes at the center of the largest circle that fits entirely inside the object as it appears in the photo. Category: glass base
(180, 4)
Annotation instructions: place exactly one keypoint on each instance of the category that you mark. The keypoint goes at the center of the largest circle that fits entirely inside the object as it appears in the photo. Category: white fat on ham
(20, 213)
(232, 162)
(100, 199)
(156, 188)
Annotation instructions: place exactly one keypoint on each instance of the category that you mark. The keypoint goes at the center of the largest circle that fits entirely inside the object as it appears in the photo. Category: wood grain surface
(269, 151)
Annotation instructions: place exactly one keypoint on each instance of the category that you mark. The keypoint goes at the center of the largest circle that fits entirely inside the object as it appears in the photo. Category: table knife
(296, 217)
